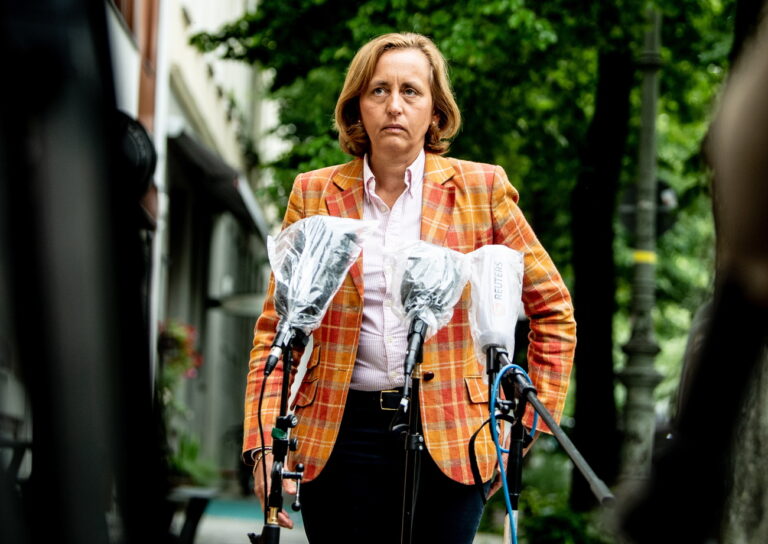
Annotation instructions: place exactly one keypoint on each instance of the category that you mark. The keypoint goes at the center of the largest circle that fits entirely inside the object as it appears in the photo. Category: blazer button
(428, 376)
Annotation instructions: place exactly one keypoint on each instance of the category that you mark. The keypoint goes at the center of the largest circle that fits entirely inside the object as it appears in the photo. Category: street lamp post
(639, 375)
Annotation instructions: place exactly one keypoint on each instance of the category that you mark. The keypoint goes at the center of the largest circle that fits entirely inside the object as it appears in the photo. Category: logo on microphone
(498, 281)
(498, 288)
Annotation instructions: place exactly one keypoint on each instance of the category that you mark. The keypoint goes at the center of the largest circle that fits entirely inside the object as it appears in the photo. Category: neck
(390, 171)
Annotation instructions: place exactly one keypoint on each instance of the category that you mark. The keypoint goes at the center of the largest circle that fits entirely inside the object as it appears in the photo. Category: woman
(395, 114)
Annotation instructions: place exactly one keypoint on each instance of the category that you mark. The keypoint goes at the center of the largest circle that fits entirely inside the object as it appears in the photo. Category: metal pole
(639, 375)
(160, 240)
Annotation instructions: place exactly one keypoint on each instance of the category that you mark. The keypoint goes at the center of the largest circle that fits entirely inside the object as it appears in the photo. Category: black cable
(263, 447)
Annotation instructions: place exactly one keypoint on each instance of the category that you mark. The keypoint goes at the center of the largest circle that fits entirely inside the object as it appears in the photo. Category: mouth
(393, 127)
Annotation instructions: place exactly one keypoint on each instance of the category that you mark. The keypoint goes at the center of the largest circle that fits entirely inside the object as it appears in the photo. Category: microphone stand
(517, 442)
(414, 441)
(518, 390)
(270, 533)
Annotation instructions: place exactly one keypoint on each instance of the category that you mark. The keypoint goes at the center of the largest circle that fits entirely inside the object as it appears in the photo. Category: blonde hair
(352, 136)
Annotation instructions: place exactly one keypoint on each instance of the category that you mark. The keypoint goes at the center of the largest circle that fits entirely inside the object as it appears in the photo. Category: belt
(387, 400)
(390, 399)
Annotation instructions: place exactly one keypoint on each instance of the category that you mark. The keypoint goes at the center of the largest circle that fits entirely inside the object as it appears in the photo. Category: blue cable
(499, 448)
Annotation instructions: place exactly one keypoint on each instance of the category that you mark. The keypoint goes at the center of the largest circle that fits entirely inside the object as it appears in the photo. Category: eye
(379, 91)
(410, 92)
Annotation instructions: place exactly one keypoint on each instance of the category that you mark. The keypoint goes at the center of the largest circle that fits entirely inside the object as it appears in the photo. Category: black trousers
(358, 496)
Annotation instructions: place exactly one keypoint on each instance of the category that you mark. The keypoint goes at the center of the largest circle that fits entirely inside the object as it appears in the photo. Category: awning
(203, 169)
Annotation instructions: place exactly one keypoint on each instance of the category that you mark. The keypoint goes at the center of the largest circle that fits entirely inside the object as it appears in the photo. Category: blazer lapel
(436, 219)
(438, 199)
(348, 202)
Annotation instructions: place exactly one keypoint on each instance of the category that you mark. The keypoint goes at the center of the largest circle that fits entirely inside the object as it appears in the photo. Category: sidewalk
(228, 521)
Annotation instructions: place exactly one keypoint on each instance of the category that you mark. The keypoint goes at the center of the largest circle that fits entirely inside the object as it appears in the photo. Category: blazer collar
(436, 208)
(438, 200)
(348, 201)
(438, 169)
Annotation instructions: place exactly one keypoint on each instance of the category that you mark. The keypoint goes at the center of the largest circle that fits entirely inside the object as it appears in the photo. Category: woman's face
(396, 108)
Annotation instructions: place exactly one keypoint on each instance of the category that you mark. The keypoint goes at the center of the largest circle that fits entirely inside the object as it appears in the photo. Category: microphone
(309, 261)
(283, 339)
(497, 287)
(430, 280)
(416, 335)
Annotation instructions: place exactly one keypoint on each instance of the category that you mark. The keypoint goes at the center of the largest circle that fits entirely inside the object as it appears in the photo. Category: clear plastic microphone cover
(497, 289)
(310, 260)
(427, 282)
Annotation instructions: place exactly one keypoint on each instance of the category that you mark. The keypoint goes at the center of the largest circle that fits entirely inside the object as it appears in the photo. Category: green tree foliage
(521, 77)
(524, 75)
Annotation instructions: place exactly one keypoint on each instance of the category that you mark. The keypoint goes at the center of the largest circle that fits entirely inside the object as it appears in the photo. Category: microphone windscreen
(497, 286)
(429, 280)
(310, 260)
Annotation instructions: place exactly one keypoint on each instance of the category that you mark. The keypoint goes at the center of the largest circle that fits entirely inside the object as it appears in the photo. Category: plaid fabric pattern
(465, 205)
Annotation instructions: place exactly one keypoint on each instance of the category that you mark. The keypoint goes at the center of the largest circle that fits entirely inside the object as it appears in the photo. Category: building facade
(208, 249)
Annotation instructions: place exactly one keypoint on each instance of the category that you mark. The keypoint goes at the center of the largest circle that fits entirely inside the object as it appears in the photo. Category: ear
(435, 119)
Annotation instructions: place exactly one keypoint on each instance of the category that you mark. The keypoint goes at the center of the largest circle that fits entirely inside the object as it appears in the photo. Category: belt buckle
(381, 400)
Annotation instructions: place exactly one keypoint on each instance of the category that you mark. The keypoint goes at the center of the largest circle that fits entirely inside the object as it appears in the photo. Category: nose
(394, 107)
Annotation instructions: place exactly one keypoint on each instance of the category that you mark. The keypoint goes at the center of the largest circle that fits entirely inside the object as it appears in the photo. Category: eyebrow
(382, 83)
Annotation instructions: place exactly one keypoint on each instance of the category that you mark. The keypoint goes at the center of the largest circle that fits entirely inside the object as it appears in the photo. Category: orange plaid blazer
(465, 205)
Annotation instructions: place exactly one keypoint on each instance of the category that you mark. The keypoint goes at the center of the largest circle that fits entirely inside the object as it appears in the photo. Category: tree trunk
(594, 204)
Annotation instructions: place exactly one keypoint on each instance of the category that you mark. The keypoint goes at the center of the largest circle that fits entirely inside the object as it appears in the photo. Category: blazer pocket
(306, 394)
(477, 389)
(314, 358)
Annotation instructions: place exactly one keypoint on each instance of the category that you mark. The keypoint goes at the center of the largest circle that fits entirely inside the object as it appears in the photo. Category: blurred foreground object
(710, 484)
(739, 149)
(72, 265)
